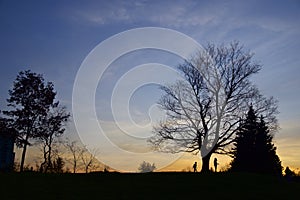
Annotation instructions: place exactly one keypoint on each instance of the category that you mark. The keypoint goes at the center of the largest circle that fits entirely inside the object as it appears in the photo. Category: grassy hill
(146, 186)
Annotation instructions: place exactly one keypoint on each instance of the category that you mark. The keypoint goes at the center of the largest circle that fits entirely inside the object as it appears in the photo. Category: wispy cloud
(166, 13)
(102, 17)
(271, 29)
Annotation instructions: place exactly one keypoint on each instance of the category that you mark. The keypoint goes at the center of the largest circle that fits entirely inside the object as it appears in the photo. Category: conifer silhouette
(253, 149)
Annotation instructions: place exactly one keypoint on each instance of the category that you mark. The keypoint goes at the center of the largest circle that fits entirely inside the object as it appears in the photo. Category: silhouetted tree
(267, 159)
(6, 127)
(243, 150)
(253, 149)
(289, 174)
(146, 167)
(30, 100)
(58, 165)
(75, 150)
(204, 110)
(81, 157)
(88, 158)
(51, 128)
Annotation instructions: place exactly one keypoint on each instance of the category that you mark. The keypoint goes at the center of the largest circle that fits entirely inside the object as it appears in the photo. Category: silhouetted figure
(216, 164)
(195, 167)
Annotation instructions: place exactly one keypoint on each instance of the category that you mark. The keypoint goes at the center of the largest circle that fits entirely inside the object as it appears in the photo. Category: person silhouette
(216, 164)
(195, 167)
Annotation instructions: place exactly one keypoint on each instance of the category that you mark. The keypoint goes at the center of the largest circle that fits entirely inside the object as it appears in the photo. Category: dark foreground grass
(146, 186)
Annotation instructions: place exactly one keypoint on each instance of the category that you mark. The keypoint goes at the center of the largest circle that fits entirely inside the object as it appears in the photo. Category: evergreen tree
(267, 159)
(243, 151)
(253, 149)
(29, 101)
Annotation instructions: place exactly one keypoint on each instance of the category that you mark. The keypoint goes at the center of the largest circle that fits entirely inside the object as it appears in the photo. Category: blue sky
(54, 37)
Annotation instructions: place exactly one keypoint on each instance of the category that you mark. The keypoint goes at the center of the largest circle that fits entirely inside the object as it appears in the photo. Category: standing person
(216, 164)
(195, 167)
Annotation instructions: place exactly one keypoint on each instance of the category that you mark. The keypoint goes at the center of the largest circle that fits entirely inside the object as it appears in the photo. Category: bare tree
(88, 158)
(75, 150)
(204, 110)
(81, 157)
(52, 127)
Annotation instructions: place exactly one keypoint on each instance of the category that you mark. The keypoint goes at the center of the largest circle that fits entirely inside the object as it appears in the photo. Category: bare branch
(204, 111)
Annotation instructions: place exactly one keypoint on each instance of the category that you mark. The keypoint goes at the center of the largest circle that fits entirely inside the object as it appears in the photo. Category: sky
(55, 38)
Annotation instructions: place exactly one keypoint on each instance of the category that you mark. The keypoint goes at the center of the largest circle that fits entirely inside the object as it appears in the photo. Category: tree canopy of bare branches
(51, 128)
(203, 111)
(81, 157)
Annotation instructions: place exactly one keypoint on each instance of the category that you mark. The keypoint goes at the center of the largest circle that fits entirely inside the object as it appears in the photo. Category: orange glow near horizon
(287, 149)
(186, 162)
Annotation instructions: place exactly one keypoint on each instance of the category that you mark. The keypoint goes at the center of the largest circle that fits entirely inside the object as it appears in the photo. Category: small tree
(80, 156)
(88, 158)
(253, 149)
(146, 167)
(75, 150)
(30, 100)
(51, 128)
(58, 165)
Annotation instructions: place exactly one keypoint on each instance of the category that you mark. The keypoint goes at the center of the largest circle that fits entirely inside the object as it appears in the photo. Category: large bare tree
(203, 111)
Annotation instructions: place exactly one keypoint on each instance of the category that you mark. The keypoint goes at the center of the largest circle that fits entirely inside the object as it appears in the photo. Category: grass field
(146, 186)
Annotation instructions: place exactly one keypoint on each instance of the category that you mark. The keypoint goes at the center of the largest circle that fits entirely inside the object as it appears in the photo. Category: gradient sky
(54, 37)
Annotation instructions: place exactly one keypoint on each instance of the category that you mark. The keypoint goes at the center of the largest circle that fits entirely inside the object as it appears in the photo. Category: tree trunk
(49, 165)
(24, 153)
(205, 163)
(42, 167)
(74, 167)
(23, 157)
